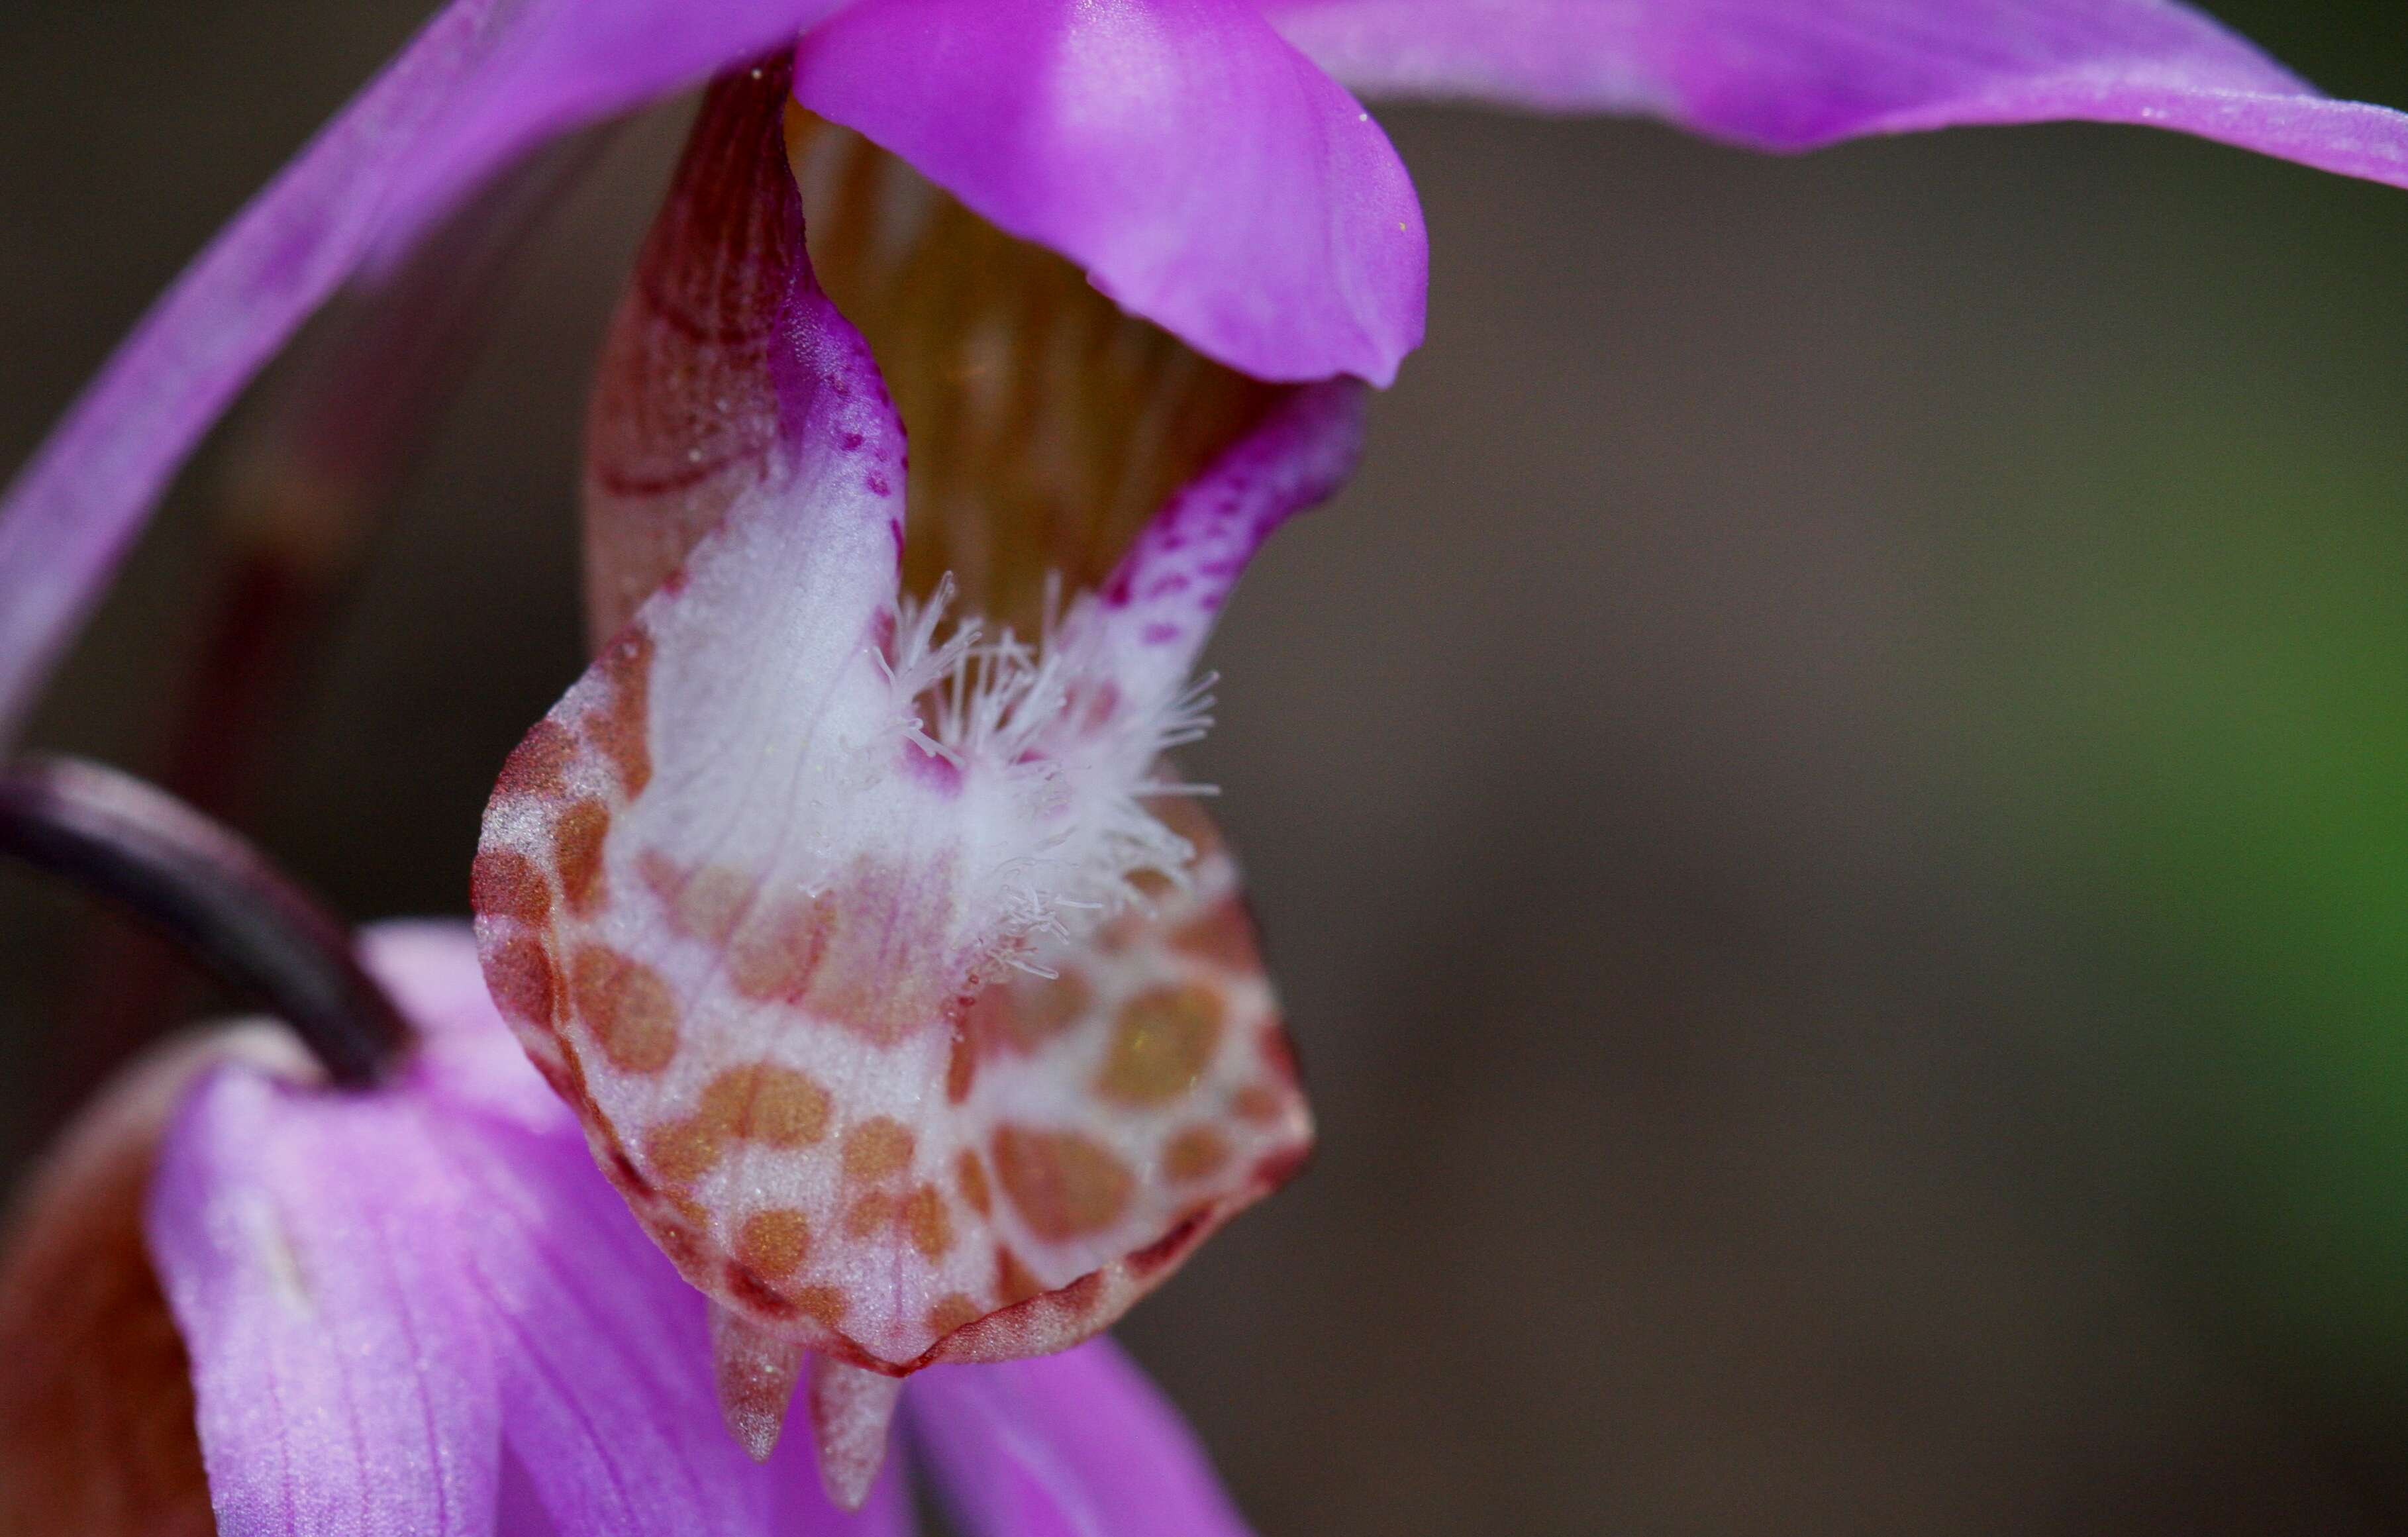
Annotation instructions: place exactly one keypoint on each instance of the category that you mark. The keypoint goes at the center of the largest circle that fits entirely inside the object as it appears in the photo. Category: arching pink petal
(1797, 74)
(1079, 1445)
(485, 81)
(1206, 175)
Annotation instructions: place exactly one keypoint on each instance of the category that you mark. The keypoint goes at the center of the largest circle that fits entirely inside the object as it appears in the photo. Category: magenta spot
(849, 440)
(1158, 634)
(940, 774)
(877, 486)
(1116, 592)
(1169, 587)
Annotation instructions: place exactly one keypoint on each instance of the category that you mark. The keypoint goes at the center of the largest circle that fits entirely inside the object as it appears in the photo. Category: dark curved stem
(119, 838)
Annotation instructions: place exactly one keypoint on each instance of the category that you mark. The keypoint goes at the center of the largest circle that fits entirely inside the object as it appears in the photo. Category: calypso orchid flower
(861, 938)
(847, 905)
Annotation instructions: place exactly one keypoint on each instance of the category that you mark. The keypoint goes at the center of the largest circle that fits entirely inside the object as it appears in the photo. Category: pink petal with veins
(1078, 1444)
(413, 1309)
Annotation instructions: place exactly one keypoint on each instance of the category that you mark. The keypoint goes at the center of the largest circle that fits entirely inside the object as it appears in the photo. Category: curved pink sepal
(1799, 74)
(484, 81)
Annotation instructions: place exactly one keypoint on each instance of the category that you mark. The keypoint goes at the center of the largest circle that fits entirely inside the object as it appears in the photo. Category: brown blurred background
(1828, 807)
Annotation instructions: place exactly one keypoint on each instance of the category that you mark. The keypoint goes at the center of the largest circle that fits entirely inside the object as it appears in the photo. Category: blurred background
(1828, 807)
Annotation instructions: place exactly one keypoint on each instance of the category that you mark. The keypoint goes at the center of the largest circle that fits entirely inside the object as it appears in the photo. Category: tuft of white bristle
(1060, 795)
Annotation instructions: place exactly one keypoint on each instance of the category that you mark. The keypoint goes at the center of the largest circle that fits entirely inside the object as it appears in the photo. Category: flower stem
(119, 838)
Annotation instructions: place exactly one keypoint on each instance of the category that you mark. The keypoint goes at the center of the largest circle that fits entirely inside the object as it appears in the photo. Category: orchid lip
(230, 907)
(891, 973)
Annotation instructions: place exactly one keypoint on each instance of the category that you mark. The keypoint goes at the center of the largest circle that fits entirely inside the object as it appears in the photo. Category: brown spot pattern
(954, 1311)
(877, 1149)
(1014, 1284)
(774, 1242)
(870, 1216)
(627, 1007)
(872, 934)
(926, 1220)
(505, 884)
(1259, 1103)
(961, 1063)
(621, 731)
(538, 765)
(757, 1294)
(682, 1152)
(577, 841)
(524, 986)
(970, 1176)
(1195, 1154)
(1064, 1184)
(772, 957)
(767, 1103)
(1223, 937)
(1026, 1013)
(706, 904)
(825, 1304)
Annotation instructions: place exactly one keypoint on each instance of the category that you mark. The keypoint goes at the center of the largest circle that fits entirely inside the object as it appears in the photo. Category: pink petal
(605, 1366)
(1161, 603)
(1079, 1445)
(388, 1296)
(1206, 176)
(341, 1360)
(1797, 74)
(483, 82)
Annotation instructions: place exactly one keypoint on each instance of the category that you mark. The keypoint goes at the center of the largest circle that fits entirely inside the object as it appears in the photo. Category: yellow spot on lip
(1162, 1042)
